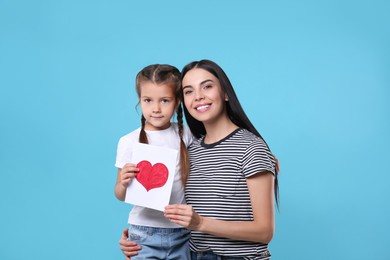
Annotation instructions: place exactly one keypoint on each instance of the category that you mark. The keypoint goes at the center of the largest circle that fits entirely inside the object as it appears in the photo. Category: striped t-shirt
(217, 188)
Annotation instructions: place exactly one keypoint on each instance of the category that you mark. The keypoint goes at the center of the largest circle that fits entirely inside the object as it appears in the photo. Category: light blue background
(312, 75)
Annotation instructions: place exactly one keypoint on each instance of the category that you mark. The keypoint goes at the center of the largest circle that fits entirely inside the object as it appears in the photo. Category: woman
(232, 177)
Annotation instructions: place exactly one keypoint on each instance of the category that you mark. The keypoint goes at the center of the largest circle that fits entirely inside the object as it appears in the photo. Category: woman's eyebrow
(203, 82)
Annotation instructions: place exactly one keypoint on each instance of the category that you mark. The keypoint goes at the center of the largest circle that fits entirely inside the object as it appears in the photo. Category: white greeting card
(152, 186)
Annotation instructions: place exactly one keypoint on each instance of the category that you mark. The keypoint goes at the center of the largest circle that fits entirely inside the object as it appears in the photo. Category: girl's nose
(156, 109)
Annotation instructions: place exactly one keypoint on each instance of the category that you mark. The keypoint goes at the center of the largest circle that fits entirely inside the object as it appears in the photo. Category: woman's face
(203, 96)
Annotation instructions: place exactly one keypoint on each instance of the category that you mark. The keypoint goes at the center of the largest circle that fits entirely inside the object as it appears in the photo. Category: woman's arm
(125, 175)
(261, 229)
(128, 248)
(277, 165)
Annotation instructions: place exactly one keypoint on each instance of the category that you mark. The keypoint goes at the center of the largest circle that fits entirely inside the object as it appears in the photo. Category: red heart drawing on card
(151, 177)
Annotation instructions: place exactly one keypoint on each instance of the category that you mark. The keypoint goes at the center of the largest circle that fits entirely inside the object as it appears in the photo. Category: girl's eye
(164, 101)
(147, 100)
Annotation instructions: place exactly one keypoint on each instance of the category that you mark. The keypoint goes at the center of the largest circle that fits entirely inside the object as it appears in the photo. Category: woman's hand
(128, 248)
(260, 229)
(183, 215)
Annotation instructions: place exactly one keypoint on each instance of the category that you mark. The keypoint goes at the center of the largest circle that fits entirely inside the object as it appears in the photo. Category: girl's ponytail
(184, 160)
(142, 134)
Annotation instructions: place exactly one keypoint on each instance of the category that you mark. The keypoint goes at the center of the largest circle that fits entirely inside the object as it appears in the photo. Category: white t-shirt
(166, 138)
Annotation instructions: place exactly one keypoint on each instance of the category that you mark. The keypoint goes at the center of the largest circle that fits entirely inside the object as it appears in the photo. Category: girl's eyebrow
(165, 97)
(204, 81)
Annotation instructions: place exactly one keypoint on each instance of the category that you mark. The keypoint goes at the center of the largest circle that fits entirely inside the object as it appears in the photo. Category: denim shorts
(160, 243)
(209, 255)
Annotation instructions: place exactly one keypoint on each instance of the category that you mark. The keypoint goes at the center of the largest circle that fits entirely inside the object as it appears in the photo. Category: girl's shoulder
(130, 137)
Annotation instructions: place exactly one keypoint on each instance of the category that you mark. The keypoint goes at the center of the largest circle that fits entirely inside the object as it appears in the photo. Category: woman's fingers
(177, 208)
(129, 248)
(183, 215)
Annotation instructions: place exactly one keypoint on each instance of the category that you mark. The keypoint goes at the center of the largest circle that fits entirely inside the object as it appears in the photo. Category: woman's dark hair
(163, 74)
(233, 107)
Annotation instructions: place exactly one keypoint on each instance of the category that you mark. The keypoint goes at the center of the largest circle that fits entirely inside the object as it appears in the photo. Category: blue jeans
(160, 243)
(209, 255)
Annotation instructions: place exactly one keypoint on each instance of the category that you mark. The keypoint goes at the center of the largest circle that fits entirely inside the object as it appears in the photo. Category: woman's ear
(226, 97)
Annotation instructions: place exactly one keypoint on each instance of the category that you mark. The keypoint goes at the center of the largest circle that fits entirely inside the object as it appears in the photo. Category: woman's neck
(218, 130)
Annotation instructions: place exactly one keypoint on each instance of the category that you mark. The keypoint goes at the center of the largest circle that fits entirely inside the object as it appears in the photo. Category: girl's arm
(261, 229)
(125, 175)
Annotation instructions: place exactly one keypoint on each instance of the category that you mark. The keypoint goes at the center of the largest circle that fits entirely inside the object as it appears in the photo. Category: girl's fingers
(128, 175)
(132, 171)
(130, 167)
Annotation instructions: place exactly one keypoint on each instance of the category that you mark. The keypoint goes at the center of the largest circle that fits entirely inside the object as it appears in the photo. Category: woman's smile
(202, 107)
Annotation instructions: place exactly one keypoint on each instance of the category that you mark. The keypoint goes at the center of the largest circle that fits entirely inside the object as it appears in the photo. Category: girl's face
(158, 104)
(203, 96)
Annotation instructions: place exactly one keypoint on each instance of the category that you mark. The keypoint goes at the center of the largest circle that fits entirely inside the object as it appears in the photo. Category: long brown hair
(234, 109)
(170, 76)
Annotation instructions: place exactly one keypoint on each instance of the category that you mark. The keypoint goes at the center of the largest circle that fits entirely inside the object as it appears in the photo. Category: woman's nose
(199, 95)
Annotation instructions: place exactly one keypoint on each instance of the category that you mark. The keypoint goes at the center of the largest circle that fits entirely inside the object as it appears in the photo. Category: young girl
(159, 91)
(233, 175)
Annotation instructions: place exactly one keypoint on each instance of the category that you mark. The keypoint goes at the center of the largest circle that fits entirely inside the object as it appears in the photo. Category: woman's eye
(187, 92)
(207, 86)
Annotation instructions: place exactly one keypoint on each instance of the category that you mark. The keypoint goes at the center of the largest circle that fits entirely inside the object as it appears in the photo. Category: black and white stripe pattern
(217, 188)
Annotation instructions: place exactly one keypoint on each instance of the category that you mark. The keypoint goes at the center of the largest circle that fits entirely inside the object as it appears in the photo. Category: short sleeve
(257, 159)
(187, 136)
(123, 153)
